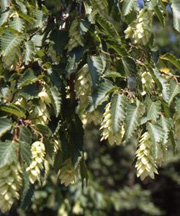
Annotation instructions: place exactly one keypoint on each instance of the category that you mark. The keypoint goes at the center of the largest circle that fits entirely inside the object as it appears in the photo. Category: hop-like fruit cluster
(92, 117)
(145, 165)
(38, 154)
(83, 87)
(147, 82)
(75, 38)
(10, 182)
(140, 30)
(106, 127)
(68, 174)
(40, 114)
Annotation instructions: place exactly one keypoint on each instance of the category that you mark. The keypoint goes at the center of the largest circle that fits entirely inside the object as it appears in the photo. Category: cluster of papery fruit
(83, 85)
(147, 82)
(145, 165)
(38, 154)
(106, 127)
(10, 183)
(140, 29)
(68, 173)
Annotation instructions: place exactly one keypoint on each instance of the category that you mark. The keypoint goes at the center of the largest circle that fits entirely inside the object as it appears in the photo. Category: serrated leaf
(134, 112)
(17, 24)
(4, 4)
(160, 15)
(28, 51)
(118, 111)
(30, 92)
(175, 5)
(99, 63)
(25, 139)
(112, 74)
(28, 191)
(5, 125)
(108, 27)
(153, 110)
(177, 107)
(165, 85)
(27, 78)
(12, 109)
(129, 66)
(100, 95)
(166, 124)
(8, 152)
(157, 135)
(9, 42)
(4, 17)
(56, 98)
(44, 130)
(174, 90)
(172, 59)
(128, 6)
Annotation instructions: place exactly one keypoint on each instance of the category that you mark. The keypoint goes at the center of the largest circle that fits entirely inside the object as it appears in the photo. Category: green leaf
(118, 111)
(160, 15)
(166, 124)
(25, 139)
(172, 59)
(30, 92)
(129, 66)
(28, 191)
(5, 125)
(109, 28)
(9, 42)
(174, 90)
(4, 17)
(157, 135)
(27, 78)
(134, 114)
(177, 107)
(56, 98)
(175, 5)
(17, 24)
(44, 130)
(128, 6)
(4, 4)
(8, 152)
(153, 110)
(28, 52)
(99, 63)
(112, 74)
(165, 85)
(12, 109)
(100, 95)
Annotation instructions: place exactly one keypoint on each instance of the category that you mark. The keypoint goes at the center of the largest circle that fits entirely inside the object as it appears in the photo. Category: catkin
(68, 174)
(145, 165)
(140, 30)
(38, 154)
(10, 183)
(106, 127)
(83, 85)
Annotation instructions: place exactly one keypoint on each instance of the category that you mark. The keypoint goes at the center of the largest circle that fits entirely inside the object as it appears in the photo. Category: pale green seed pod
(147, 82)
(146, 164)
(10, 183)
(38, 154)
(68, 174)
(44, 97)
(106, 127)
(83, 86)
(140, 30)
